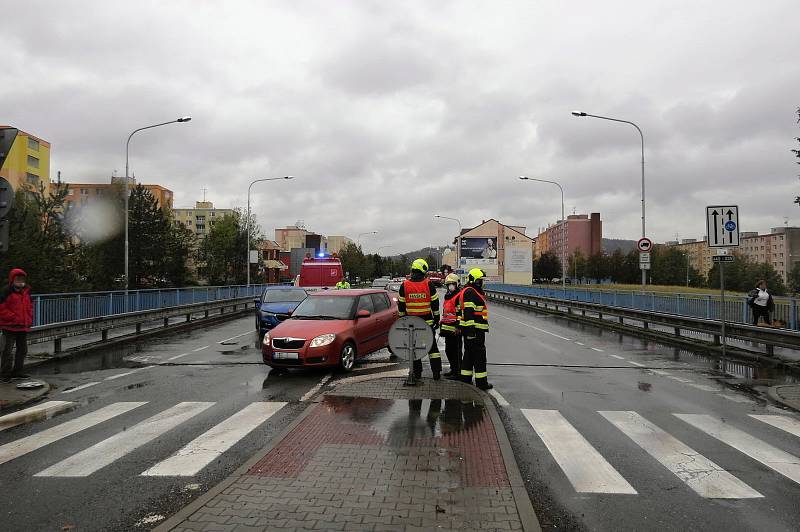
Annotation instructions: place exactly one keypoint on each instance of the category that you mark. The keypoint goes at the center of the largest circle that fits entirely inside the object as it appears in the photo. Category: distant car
(331, 328)
(394, 286)
(275, 305)
(380, 282)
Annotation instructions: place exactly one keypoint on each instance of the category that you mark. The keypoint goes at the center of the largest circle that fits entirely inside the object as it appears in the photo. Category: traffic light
(7, 136)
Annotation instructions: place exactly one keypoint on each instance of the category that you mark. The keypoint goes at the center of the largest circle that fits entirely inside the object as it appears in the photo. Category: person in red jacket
(16, 318)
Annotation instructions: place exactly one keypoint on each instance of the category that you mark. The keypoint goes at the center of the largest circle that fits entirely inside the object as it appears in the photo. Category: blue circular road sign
(730, 225)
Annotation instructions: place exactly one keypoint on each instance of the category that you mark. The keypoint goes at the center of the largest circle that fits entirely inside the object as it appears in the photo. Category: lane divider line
(635, 363)
(178, 356)
(596, 349)
(532, 327)
(579, 343)
(235, 337)
(617, 357)
(310, 393)
(82, 387)
(200, 348)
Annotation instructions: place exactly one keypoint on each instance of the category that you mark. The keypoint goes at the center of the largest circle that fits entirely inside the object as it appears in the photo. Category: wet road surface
(615, 433)
(148, 432)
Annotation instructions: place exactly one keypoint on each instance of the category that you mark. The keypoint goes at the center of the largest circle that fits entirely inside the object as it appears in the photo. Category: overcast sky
(391, 112)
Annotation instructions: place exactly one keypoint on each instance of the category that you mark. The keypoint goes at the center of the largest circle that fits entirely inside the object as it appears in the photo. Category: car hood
(280, 307)
(309, 329)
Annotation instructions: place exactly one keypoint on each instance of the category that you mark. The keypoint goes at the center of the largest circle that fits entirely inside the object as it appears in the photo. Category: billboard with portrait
(479, 251)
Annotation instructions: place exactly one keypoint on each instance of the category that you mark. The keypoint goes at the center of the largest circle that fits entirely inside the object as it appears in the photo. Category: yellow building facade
(201, 219)
(27, 162)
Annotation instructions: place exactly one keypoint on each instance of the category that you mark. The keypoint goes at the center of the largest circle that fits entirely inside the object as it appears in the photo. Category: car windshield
(283, 296)
(325, 307)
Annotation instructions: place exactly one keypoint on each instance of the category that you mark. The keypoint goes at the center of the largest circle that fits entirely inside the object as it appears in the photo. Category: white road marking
(176, 357)
(36, 441)
(596, 349)
(772, 457)
(532, 327)
(585, 468)
(579, 343)
(617, 357)
(635, 363)
(704, 387)
(120, 375)
(200, 348)
(310, 393)
(679, 379)
(107, 451)
(698, 472)
(81, 387)
(661, 372)
(204, 449)
(786, 423)
(34, 413)
(235, 337)
(500, 399)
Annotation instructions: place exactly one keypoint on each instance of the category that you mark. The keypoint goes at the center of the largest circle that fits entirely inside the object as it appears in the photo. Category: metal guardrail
(769, 337)
(58, 331)
(705, 306)
(67, 307)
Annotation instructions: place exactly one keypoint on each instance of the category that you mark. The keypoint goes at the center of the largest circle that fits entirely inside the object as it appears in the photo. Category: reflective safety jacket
(450, 312)
(473, 312)
(342, 284)
(418, 297)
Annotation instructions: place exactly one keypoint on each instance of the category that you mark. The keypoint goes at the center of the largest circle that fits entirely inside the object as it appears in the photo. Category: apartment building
(201, 218)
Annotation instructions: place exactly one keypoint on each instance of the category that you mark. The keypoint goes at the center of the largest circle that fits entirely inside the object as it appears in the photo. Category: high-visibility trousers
(473, 363)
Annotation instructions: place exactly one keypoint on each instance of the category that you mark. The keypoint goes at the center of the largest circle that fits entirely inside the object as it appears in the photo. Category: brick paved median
(375, 455)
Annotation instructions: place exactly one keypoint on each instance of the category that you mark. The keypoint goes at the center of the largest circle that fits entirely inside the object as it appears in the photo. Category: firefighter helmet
(475, 274)
(451, 279)
(420, 265)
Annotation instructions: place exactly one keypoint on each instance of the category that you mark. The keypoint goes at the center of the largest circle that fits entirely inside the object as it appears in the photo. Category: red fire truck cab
(320, 272)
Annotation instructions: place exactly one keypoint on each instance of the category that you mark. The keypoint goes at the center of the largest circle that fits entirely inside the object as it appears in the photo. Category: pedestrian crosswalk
(189, 460)
(588, 471)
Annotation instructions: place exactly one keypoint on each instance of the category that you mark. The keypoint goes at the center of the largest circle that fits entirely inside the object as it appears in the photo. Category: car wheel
(347, 358)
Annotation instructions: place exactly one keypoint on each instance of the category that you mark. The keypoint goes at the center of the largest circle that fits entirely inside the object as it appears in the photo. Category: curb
(773, 394)
(530, 523)
(199, 502)
(41, 392)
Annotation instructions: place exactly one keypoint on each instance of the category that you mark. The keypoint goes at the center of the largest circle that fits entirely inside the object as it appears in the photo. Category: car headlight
(267, 340)
(324, 339)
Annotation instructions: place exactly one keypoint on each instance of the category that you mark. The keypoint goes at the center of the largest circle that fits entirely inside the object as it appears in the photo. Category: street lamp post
(641, 135)
(362, 234)
(127, 186)
(458, 238)
(563, 228)
(247, 222)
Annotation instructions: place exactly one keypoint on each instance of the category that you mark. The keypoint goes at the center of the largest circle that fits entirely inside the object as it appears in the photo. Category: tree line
(669, 266)
(76, 249)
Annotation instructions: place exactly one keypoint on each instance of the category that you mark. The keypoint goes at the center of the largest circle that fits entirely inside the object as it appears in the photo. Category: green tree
(548, 266)
(597, 266)
(355, 263)
(742, 276)
(794, 278)
(616, 266)
(669, 267)
(39, 243)
(577, 265)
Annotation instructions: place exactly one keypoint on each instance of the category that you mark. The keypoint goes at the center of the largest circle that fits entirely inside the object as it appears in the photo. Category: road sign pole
(722, 307)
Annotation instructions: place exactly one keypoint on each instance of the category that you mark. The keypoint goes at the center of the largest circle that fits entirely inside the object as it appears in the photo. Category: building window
(213, 214)
(33, 144)
(84, 192)
(33, 179)
(33, 162)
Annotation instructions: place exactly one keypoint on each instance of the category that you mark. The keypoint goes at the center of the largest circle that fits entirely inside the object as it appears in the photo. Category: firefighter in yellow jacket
(473, 321)
(418, 297)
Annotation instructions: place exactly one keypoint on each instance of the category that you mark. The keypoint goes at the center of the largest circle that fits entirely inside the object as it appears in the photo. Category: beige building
(504, 252)
(201, 219)
(82, 194)
(292, 237)
(336, 243)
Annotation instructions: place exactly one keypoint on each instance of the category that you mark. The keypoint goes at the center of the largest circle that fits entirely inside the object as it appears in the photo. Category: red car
(331, 328)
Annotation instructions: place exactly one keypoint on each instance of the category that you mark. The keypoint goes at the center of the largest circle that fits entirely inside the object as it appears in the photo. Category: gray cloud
(389, 113)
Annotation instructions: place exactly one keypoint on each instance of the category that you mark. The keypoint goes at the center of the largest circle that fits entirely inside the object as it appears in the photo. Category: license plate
(285, 356)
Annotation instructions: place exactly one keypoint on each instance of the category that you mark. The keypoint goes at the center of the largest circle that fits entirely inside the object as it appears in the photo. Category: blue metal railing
(692, 305)
(57, 308)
